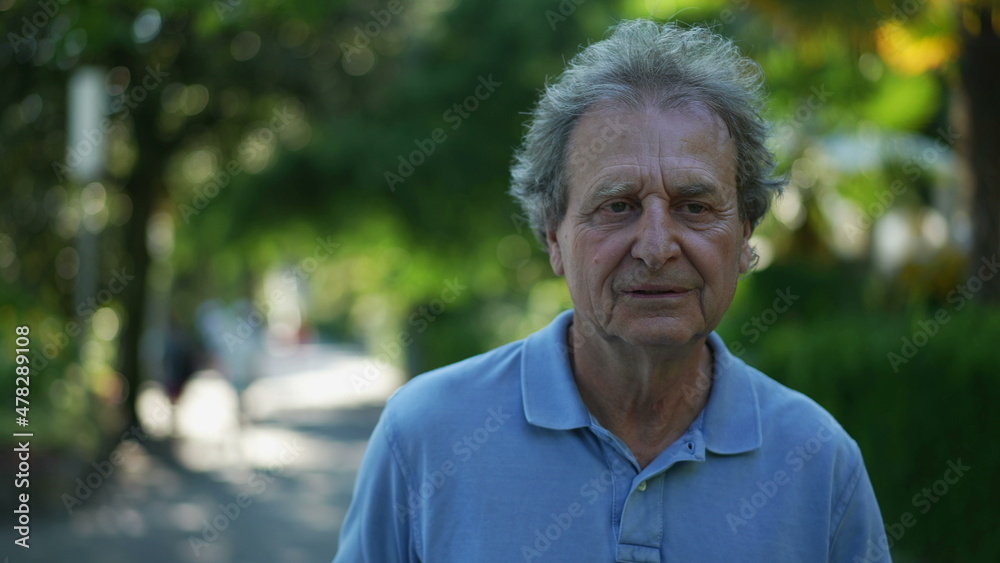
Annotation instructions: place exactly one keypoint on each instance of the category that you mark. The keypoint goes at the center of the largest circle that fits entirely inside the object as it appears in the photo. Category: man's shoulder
(795, 417)
(448, 392)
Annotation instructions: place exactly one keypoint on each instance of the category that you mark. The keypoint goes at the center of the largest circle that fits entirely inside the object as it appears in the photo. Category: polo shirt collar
(731, 423)
(551, 398)
(730, 420)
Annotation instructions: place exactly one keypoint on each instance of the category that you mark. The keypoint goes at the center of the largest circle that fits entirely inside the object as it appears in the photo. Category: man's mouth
(653, 291)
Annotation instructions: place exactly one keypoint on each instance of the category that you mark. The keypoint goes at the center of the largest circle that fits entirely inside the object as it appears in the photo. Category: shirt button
(642, 486)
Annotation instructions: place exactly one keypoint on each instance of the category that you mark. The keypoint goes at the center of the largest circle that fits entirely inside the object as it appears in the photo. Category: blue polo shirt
(497, 459)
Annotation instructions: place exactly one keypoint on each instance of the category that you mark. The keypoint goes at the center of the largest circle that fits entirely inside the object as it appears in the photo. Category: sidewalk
(154, 510)
(260, 474)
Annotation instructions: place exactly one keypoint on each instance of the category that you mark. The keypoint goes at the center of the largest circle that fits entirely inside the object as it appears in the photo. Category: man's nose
(657, 236)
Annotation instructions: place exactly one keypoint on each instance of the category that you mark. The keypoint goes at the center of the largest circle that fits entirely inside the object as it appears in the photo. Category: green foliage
(910, 413)
(903, 102)
(911, 423)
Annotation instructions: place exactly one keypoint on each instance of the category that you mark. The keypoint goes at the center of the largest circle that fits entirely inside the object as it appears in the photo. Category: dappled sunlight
(208, 408)
(228, 487)
(153, 408)
(911, 54)
(215, 429)
(317, 377)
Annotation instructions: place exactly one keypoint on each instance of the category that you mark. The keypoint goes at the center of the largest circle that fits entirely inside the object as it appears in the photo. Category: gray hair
(645, 62)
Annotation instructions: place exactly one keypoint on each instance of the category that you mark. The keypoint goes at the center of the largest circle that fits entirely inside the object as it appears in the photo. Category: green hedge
(911, 423)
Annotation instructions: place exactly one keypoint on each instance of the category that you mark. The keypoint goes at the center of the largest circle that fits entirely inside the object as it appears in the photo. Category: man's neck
(647, 399)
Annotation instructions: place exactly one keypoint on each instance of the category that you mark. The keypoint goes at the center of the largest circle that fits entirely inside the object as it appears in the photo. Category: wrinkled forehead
(611, 127)
(603, 124)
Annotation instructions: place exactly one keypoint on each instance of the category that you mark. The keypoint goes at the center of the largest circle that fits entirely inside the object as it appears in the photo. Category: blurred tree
(233, 121)
(180, 79)
(897, 65)
(981, 88)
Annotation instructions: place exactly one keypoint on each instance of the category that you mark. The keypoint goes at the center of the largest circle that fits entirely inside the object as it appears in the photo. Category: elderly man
(625, 430)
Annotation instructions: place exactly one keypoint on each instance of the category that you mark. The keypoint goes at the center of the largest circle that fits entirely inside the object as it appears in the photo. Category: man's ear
(746, 252)
(555, 252)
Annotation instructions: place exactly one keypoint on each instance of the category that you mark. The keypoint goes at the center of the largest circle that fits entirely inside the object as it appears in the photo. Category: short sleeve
(858, 533)
(378, 527)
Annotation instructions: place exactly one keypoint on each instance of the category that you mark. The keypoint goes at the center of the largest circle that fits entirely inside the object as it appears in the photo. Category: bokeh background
(233, 227)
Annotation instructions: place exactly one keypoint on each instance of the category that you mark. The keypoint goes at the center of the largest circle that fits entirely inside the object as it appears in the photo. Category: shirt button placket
(641, 537)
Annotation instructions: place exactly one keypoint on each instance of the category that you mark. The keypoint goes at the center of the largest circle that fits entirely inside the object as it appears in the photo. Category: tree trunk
(143, 188)
(981, 86)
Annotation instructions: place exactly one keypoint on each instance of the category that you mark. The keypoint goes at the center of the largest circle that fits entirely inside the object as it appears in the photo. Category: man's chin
(659, 333)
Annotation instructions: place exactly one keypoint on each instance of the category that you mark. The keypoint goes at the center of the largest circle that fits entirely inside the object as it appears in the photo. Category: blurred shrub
(909, 423)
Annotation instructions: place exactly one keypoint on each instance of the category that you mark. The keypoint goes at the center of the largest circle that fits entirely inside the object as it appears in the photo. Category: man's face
(652, 243)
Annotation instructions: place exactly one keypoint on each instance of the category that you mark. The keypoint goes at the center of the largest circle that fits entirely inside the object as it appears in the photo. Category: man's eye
(618, 207)
(695, 208)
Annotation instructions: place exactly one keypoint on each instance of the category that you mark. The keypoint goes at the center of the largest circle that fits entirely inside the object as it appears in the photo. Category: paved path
(264, 478)
(153, 508)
